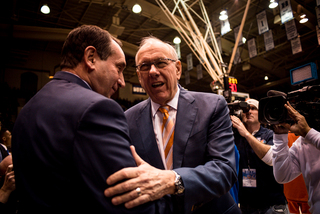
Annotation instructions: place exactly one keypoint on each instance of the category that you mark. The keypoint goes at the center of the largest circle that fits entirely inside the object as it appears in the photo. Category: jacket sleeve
(217, 174)
(102, 147)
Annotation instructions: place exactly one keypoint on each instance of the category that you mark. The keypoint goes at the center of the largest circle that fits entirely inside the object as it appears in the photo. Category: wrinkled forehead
(153, 50)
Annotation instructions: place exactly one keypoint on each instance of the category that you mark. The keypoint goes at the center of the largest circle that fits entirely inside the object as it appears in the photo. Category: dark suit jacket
(66, 141)
(203, 148)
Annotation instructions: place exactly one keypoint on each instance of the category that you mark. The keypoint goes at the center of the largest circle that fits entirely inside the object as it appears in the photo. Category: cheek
(142, 81)
(173, 80)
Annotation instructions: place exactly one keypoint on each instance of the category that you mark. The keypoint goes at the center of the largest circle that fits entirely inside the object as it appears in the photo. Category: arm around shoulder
(102, 147)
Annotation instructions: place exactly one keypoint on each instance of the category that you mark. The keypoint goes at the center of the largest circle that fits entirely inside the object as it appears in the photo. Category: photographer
(258, 192)
(301, 158)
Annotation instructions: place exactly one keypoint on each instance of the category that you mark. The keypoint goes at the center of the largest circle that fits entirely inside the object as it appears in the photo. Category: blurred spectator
(8, 199)
(5, 140)
(4, 164)
(295, 190)
(301, 158)
(258, 190)
(3, 149)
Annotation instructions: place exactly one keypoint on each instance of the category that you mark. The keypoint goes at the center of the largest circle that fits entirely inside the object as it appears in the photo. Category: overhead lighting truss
(181, 17)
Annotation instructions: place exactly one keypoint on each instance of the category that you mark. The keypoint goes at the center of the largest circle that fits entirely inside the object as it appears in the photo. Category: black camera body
(272, 110)
(306, 101)
(236, 106)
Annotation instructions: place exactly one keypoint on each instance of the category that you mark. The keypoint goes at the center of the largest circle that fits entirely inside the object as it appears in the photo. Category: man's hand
(9, 181)
(8, 186)
(236, 123)
(300, 127)
(153, 183)
(281, 128)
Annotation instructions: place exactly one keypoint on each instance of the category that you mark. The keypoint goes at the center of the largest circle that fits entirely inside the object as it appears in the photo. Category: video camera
(238, 105)
(305, 100)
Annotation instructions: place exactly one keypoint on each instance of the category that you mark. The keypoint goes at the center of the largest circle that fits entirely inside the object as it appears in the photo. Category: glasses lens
(161, 63)
(145, 67)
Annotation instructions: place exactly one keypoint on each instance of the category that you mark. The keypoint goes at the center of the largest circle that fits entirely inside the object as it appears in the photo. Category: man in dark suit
(71, 136)
(203, 157)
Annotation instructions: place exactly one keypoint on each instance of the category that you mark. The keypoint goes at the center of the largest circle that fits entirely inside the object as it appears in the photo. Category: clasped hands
(139, 184)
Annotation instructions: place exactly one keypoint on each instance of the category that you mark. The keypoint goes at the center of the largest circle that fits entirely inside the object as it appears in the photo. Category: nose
(121, 81)
(153, 70)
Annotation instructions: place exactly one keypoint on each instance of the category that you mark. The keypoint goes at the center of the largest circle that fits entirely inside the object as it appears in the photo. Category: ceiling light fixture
(273, 4)
(266, 77)
(176, 40)
(136, 8)
(223, 15)
(45, 9)
(303, 18)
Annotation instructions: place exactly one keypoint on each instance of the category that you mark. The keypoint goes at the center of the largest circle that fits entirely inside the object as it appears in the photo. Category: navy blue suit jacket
(203, 149)
(66, 141)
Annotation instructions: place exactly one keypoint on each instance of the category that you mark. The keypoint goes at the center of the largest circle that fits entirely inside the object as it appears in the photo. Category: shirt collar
(79, 78)
(172, 103)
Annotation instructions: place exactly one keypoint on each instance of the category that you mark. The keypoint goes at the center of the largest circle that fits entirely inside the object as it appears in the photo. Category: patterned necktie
(167, 135)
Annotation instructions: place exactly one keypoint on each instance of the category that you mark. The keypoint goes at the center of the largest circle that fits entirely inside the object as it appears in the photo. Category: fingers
(136, 157)
(234, 119)
(126, 173)
(131, 199)
(132, 196)
(123, 187)
(10, 182)
(291, 110)
(10, 168)
(138, 201)
(236, 122)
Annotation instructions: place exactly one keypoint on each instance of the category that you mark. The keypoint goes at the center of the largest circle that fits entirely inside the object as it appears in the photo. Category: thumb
(136, 157)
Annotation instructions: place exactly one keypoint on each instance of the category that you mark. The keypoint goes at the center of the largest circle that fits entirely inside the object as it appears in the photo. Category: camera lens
(273, 111)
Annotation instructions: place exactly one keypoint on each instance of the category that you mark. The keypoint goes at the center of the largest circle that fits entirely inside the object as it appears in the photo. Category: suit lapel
(186, 114)
(144, 122)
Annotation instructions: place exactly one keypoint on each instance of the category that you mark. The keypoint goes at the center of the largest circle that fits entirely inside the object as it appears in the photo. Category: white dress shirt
(302, 157)
(157, 118)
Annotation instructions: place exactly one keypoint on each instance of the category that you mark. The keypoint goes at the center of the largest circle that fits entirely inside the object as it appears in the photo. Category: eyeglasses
(159, 63)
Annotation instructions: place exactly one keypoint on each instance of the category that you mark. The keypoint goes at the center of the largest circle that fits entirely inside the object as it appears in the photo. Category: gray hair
(150, 39)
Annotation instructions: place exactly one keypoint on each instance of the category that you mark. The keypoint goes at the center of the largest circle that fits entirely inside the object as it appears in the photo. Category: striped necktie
(167, 135)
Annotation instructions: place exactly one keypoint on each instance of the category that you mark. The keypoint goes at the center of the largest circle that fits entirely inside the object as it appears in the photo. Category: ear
(179, 69)
(90, 54)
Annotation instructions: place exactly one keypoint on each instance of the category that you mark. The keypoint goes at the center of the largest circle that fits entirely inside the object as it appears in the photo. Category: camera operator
(301, 158)
(258, 190)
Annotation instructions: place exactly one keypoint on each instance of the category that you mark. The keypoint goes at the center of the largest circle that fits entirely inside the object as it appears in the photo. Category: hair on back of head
(80, 38)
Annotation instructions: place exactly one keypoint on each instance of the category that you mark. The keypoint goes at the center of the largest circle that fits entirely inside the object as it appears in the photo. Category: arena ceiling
(25, 28)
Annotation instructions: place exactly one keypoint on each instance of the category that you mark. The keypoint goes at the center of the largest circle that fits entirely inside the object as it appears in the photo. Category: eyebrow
(122, 64)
